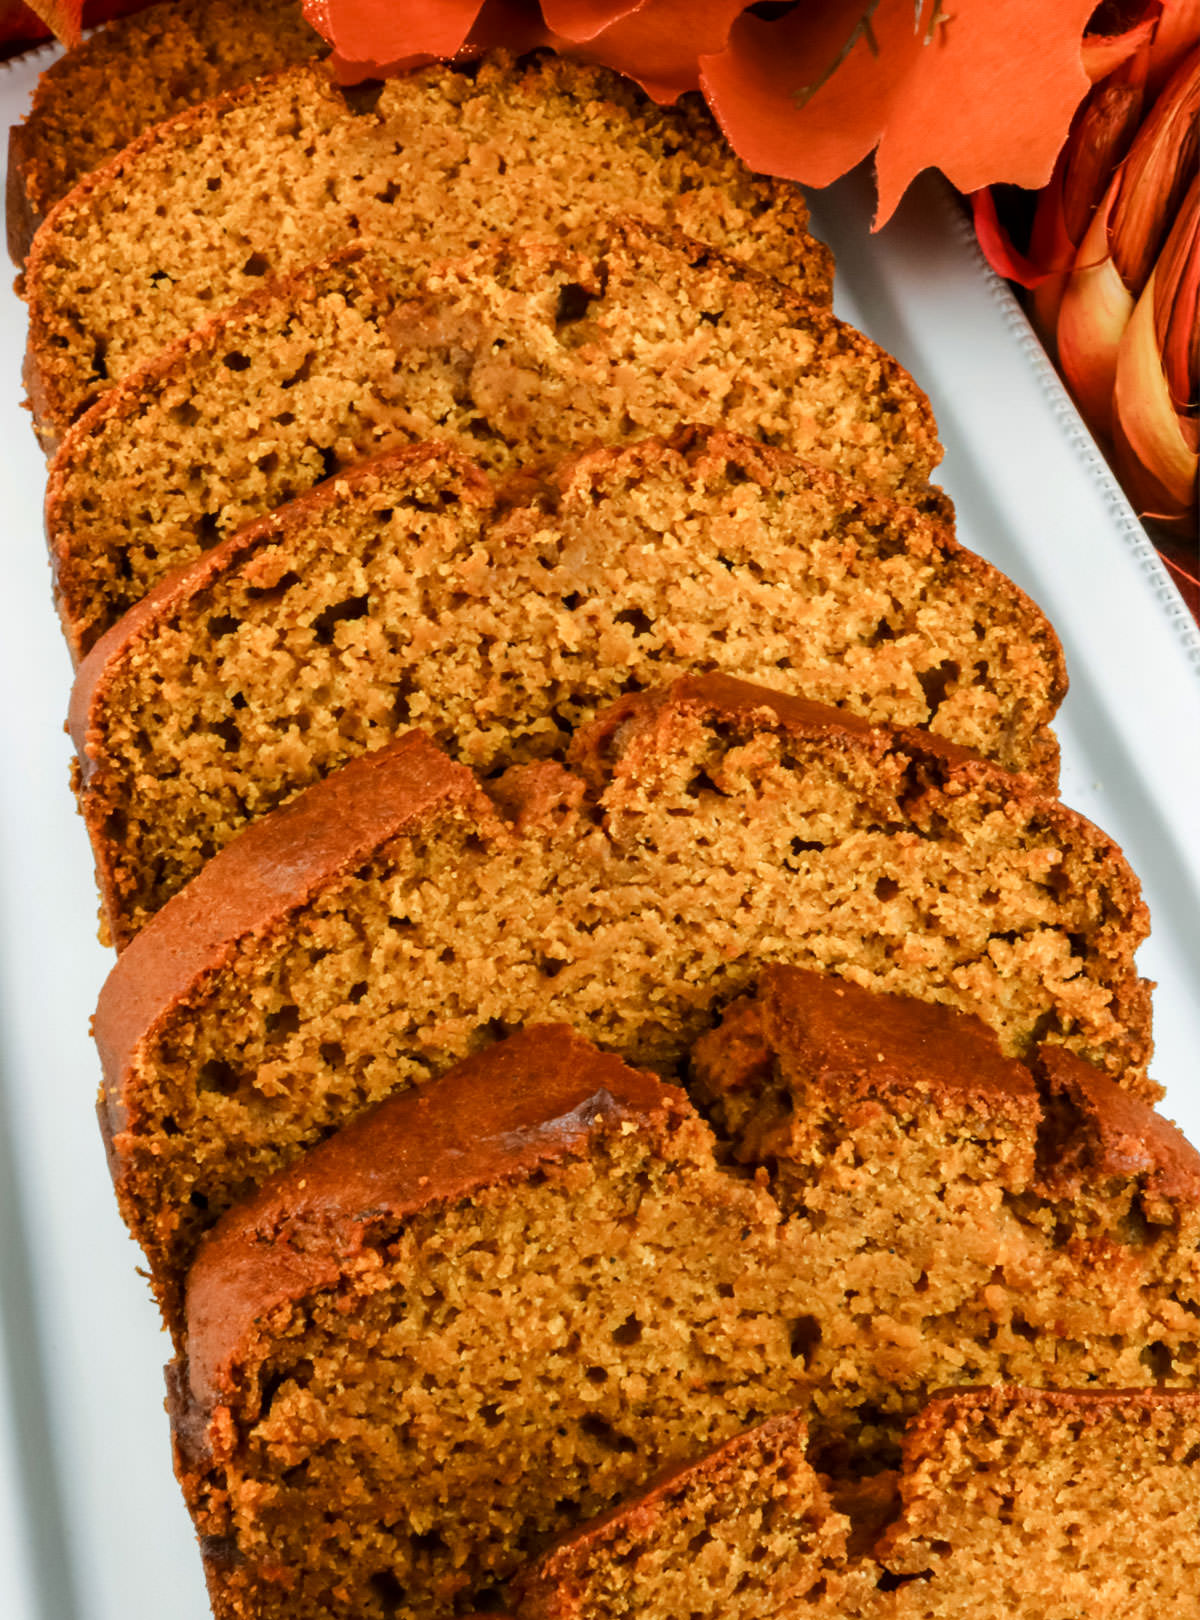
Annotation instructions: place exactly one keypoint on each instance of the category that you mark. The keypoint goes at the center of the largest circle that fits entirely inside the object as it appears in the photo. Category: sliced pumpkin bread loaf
(1039, 1505)
(519, 354)
(963, 1218)
(748, 1531)
(398, 594)
(282, 171)
(494, 1306)
(1009, 1504)
(481, 1314)
(134, 72)
(393, 917)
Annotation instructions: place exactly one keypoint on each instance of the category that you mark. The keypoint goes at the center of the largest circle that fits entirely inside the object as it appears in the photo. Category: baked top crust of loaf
(398, 594)
(446, 1253)
(389, 920)
(519, 354)
(285, 170)
(308, 1322)
(134, 72)
(1009, 1504)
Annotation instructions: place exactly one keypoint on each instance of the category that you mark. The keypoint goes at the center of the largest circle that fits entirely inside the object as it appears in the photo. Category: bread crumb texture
(717, 834)
(402, 594)
(520, 355)
(162, 59)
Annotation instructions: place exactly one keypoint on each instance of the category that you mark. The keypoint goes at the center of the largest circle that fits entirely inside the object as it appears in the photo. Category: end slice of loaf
(1010, 1504)
(746, 1532)
(962, 1218)
(519, 354)
(1032, 1505)
(486, 1312)
(397, 594)
(134, 72)
(393, 917)
(287, 169)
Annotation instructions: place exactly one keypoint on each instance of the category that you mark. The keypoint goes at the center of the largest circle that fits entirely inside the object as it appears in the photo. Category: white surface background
(91, 1524)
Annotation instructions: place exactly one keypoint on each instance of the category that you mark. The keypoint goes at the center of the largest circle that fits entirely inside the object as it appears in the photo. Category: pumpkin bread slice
(486, 1311)
(393, 917)
(398, 594)
(130, 74)
(519, 354)
(1009, 1504)
(289, 168)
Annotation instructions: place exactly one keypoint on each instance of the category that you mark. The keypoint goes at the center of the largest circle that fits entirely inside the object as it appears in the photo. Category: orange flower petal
(1104, 52)
(64, 18)
(1095, 310)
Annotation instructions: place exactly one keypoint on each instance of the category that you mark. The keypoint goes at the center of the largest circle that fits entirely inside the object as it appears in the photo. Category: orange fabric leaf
(984, 91)
(659, 43)
(377, 31)
(989, 98)
(583, 19)
(783, 109)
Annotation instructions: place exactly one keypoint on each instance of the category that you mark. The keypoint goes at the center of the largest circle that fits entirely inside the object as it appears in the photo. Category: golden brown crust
(1112, 1133)
(860, 1043)
(532, 1101)
(261, 879)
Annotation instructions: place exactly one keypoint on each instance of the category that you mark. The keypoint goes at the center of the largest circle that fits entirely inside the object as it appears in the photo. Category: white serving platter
(91, 1524)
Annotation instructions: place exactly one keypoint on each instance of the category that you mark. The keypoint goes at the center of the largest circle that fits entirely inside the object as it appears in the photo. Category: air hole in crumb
(886, 888)
(800, 845)
(216, 1075)
(236, 361)
(332, 1054)
(639, 622)
(888, 1582)
(256, 265)
(805, 1337)
(356, 992)
(222, 624)
(284, 1021)
(327, 621)
(935, 683)
(1158, 1359)
(597, 1429)
(573, 302)
(361, 99)
(629, 1331)
(387, 1589)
